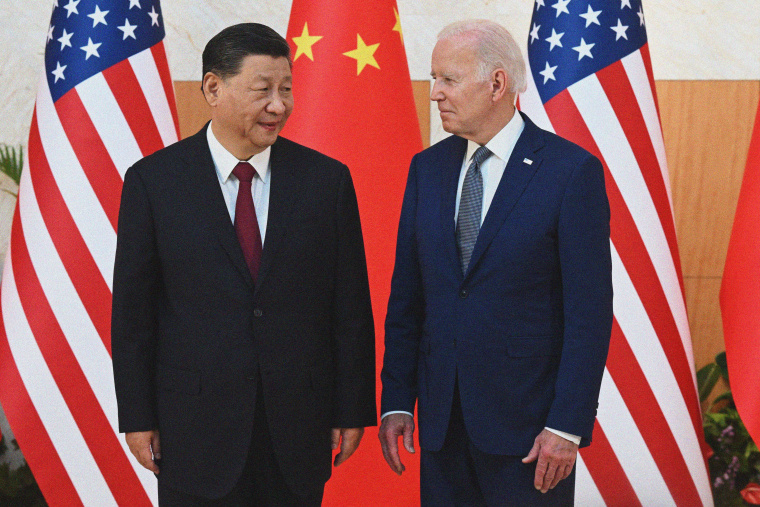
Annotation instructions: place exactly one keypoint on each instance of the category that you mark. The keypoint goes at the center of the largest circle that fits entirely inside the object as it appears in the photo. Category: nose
(276, 105)
(435, 92)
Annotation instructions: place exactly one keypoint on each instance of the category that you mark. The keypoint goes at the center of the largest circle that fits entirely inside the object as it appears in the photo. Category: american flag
(590, 81)
(105, 100)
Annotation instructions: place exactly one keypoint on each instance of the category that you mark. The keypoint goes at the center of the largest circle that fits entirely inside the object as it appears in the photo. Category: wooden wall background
(707, 127)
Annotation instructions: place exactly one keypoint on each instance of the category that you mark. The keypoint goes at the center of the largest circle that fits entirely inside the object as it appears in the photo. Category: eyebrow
(270, 77)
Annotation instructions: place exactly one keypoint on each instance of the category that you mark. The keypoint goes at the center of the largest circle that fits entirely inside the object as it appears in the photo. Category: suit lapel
(517, 175)
(451, 167)
(283, 192)
(198, 157)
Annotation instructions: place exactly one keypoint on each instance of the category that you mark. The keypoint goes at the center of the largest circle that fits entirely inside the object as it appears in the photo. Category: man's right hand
(392, 427)
(146, 448)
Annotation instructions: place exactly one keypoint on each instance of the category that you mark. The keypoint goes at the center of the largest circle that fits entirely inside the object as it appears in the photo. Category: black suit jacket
(192, 334)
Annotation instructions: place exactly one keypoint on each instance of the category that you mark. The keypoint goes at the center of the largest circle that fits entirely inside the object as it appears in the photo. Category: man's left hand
(348, 439)
(556, 457)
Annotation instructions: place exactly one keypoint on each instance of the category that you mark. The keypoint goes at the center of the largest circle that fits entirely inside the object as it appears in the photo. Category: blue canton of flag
(572, 39)
(86, 37)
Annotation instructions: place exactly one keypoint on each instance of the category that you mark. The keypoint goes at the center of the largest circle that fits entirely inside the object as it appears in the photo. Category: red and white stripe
(55, 343)
(648, 438)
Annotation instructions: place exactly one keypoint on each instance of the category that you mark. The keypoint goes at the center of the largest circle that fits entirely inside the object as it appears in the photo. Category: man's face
(463, 97)
(250, 108)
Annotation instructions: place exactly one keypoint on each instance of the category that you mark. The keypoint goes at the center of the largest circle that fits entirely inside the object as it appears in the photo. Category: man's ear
(211, 86)
(499, 84)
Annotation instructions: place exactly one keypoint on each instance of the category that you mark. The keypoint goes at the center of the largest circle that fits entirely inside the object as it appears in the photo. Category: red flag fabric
(354, 102)
(105, 100)
(740, 294)
(591, 81)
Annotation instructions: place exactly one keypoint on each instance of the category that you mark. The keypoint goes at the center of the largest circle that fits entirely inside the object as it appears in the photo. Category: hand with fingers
(556, 458)
(146, 447)
(348, 440)
(392, 427)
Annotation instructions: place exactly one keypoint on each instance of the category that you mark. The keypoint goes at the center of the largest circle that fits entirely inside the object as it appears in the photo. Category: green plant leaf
(17, 486)
(12, 161)
(707, 377)
(720, 360)
(727, 396)
(717, 418)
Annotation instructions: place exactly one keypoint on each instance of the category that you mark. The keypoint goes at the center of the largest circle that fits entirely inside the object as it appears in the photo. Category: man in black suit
(242, 333)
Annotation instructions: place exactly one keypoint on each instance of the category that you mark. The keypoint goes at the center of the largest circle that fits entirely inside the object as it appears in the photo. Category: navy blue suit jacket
(526, 329)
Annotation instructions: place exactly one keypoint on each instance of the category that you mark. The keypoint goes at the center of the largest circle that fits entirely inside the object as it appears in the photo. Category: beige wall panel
(421, 90)
(192, 109)
(704, 318)
(707, 126)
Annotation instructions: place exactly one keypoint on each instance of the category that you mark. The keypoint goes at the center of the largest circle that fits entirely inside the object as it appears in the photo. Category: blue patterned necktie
(470, 207)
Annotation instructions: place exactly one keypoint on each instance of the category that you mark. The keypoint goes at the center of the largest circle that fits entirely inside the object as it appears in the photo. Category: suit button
(257, 312)
(463, 293)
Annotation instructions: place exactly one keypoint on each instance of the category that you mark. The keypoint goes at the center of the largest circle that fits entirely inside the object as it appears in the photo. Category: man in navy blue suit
(500, 311)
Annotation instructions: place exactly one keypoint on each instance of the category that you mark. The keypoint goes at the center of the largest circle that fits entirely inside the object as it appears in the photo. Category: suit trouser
(261, 483)
(462, 475)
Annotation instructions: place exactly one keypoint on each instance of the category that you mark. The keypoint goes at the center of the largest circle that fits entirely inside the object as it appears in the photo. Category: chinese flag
(354, 102)
(740, 294)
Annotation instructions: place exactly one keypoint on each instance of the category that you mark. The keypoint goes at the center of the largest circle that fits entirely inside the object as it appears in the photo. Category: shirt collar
(225, 161)
(502, 144)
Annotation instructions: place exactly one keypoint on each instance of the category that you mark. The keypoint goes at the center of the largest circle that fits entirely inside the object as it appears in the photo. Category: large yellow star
(305, 42)
(397, 26)
(363, 54)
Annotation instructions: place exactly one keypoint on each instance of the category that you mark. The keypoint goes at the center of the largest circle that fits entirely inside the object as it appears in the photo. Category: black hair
(224, 53)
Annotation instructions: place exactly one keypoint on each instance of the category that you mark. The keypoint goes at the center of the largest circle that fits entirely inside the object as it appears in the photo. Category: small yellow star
(363, 54)
(305, 42)
(397, 26)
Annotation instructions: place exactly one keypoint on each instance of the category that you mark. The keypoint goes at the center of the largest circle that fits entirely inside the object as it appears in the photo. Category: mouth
(269, 126)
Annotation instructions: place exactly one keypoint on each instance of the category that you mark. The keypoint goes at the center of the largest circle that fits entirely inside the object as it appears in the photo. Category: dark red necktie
(246, 224)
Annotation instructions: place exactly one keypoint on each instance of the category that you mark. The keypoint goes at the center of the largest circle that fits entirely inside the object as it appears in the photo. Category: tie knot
(244, 172)
(480, 155)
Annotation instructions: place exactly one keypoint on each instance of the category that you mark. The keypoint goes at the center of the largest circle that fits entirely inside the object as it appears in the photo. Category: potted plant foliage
(735, 460)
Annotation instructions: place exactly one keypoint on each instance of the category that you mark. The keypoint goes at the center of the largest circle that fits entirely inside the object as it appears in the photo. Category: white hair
(495, 47)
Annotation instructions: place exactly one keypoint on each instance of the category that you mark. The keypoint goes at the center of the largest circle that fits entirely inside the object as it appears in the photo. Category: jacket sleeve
(584, 254)
(133, 317)
(403, 323)
(353, 323)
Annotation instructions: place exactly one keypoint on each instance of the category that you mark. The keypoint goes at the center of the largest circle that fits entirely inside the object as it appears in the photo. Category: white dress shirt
(492, 169)
(225, 162)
